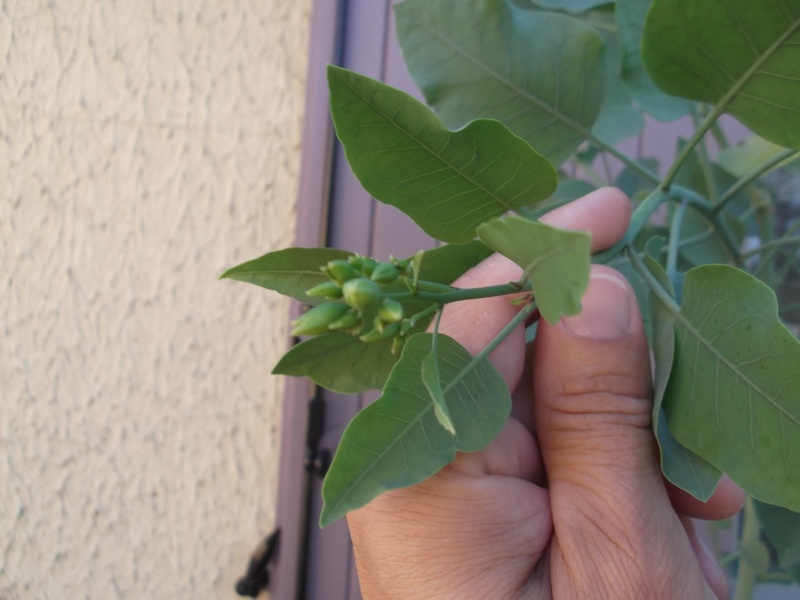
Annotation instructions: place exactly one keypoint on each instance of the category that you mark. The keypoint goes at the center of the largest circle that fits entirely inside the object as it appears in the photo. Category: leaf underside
(290, 271)
(734, 394)
(540, 74)
(680, 465)
(397, 440)
(556, 261)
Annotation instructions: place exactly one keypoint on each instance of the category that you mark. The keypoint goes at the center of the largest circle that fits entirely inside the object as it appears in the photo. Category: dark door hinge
(317, 460)
(256, 579)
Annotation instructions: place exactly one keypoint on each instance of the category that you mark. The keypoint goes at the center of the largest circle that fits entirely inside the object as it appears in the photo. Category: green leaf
(397, 441)
(289, 272)
(680, 465)
(740, 55)
(449, 182)
(340, 362)
(734, 394)
(447, 263)
(539, 73)
(430, 377)
(618, 119)
(630, 18)
(782, 528)
(556, 261)
(751, 153)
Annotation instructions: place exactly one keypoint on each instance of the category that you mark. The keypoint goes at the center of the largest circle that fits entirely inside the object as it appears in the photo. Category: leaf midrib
(677, 313)
(755, 67)
(493, 74)
(411, 137)
(429, 407)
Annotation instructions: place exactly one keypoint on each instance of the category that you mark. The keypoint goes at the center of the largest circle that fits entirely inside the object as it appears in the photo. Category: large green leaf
(680, 465)
(734, 394)
(740, 55)
(782, 528)
(630, 18)
(541, 74)
(289, 272)
(397, 441)
(556, 261)
(449, 182)
(618, 119)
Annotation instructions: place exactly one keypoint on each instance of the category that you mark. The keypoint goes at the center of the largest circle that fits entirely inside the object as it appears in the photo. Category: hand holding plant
(568, 501)
(543, 82)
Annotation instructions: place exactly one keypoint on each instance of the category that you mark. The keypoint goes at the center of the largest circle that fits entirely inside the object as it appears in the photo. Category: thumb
(591, 390)
(591, 377)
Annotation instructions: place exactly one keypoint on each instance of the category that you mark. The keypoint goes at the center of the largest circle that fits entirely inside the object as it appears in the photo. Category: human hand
(568, 501)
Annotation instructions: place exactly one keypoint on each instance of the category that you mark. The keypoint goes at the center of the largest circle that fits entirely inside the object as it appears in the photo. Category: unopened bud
(390, 310)
(385, 273)
(318, 319)
(361, 293)
(340, 271)
(326, 289)
(375, 335)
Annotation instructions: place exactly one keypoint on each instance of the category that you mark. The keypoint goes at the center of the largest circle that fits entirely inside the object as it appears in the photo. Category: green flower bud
(389, 331)
(368, 266)
(326, 289)
(390, 311)
(318, 319)
(361, 293)
(385, 273)
(340, 271)
(400, 263)
(356, 261)
(350, 321)
(397, 343)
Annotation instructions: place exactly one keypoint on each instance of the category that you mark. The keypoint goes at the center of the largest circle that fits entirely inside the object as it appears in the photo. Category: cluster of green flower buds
(354, 293)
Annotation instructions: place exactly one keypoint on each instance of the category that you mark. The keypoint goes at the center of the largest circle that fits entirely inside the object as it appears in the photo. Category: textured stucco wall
(145, 146)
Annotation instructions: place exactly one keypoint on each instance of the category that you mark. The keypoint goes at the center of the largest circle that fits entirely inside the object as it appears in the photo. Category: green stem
(705, 163)
(689, 147)
(790, 308)
(674, 241)
(457, 294)
(747, 179)
(518, 319)
(765, 260)
(624, 158)
(784, 241)
(414, 319)
(746, 577)
(651, 282)
(639, 217)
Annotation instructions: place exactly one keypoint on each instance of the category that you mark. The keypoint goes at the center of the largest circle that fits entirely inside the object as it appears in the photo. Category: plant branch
(674, 241)
(705, 162)
(518, 319)
(784, 241)
(667, 300)
(746, 576)
(458, 294)
(689, 147)
(763, 169)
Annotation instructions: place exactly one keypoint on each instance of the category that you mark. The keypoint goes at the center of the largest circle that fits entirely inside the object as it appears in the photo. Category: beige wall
(145, 146)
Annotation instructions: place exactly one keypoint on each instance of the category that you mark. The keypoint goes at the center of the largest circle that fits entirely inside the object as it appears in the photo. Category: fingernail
(606, 310)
